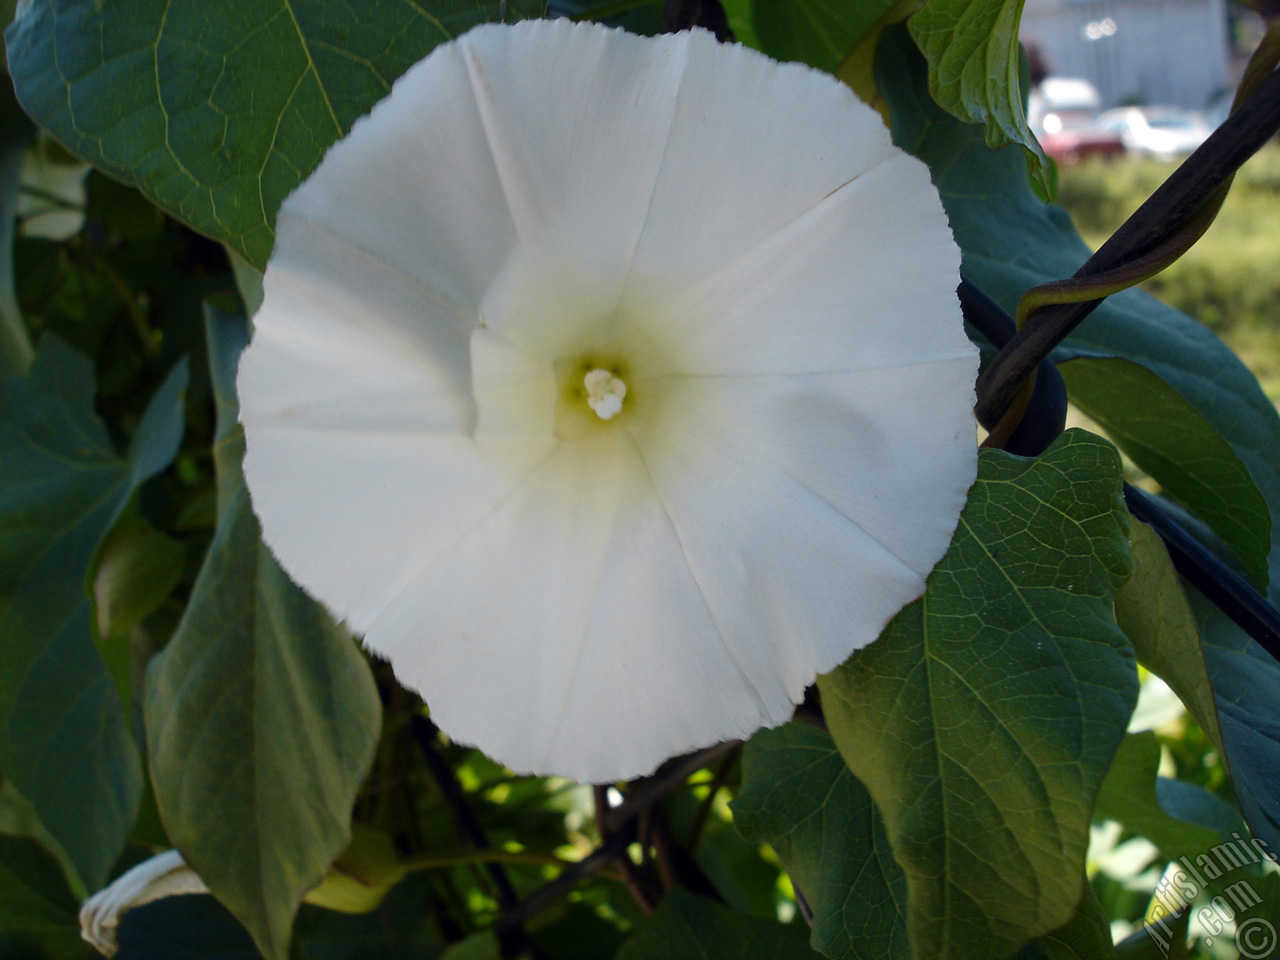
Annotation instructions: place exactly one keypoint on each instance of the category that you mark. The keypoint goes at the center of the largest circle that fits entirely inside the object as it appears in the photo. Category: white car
(1163, 132)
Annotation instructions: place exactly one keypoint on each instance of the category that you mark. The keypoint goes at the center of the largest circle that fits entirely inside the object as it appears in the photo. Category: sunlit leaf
(1152, 610)
(983, 720)
(1181, 819)
(972, 49)
(816, 32)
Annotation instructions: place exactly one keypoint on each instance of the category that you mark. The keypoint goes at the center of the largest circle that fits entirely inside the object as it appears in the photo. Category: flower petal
(591, 650)
(868, 275)
(578, 182)
(795, 578)
(789, 135)
(415, 185)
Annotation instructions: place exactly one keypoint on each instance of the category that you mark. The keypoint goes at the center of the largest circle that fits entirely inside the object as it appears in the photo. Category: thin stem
(546, 895)
(676, 865)
(16, 353)
(457, 858)
(425, 732)
(649, 790)
(802, 904)
(638, 884)
(704, 809)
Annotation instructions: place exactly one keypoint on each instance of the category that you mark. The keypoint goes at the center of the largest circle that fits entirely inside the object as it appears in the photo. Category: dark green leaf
(983, 720)
(799, 797)
(815, 32)
(1165, 939)
(200, 928)
(688, 927)
(1152, 610)
(261, 713)
(1168, 438)
(1011, 242)
(184, 928)
(479, 946)
(1246, 685)
(579, 931)
(217, 111)
(36, 908)
(972, 49)
(66, 745)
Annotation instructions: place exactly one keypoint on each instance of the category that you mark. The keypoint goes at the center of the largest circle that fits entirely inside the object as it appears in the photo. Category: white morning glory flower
(612, 387)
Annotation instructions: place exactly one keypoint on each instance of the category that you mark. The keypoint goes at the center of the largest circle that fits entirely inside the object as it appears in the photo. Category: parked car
(1072, 135)
(1163, 132)
(1063, 113)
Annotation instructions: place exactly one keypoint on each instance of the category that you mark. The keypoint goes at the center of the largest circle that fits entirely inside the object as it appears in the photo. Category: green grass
(1230, 280)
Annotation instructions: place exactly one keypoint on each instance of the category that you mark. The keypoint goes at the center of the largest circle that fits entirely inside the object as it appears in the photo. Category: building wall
(1170, 52)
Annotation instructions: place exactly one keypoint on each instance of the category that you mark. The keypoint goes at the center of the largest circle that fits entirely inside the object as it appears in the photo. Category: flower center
(605, 393)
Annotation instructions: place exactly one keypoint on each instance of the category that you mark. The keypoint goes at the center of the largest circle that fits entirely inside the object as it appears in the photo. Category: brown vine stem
(704, 809)
(514, 940)
(617, 828)
(1167, 221)
(639, 884)
(649, 790)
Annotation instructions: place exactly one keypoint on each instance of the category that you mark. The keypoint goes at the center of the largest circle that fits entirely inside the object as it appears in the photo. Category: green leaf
(799, 797)
(362, 875)
(1246, 685)
(983, 720)
(688, 927)
(200, 928)
(1185, 821)
(1086, 936)
(1152, 610)
(1168, 438)
(217, 111)
(36, 908)
(1011, 242)
(1165, 939)
(261, 713)
(479, 946)
(972, 49)
(815, 32)
(15, 135)
(137, 570)
(66, 745)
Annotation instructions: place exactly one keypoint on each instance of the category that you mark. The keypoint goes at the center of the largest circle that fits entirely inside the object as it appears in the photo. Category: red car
(1071, 135)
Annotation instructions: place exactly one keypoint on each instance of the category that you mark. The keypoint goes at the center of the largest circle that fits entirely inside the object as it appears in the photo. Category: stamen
(604, 393)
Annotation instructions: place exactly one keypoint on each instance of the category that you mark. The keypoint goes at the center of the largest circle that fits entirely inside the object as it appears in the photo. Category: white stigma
(604, 393)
